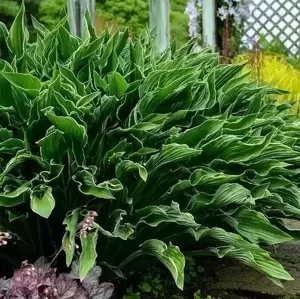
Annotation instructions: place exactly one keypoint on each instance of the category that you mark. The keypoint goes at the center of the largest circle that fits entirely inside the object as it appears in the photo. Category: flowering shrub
(193, 10)
(230, 22)
(40, 281)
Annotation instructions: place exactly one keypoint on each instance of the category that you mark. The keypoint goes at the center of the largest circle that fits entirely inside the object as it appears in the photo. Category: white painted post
(160, 20)
(209, 22)
(76, 12)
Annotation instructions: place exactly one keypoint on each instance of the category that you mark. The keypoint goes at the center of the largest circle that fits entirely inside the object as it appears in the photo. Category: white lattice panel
(276, 18)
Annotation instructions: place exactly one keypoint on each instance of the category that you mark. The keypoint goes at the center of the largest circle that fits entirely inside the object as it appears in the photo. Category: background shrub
(133, 14)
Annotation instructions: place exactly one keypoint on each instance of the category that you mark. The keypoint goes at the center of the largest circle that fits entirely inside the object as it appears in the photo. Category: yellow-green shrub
(273, 69)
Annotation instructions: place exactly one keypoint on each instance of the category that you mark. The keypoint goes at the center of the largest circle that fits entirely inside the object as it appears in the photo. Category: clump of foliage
(39, 280)
(115, 153)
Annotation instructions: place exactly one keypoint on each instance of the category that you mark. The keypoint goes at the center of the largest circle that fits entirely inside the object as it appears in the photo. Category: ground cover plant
(39, 280)
(113, 153)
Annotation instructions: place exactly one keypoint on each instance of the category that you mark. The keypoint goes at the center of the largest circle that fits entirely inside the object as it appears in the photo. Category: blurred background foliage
(116, 13)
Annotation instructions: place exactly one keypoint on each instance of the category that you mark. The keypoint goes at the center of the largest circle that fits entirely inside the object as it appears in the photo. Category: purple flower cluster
(238, 9)
(193, 12)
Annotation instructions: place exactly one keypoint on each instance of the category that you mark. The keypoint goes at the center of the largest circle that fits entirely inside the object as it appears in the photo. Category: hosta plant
(39, 280)
(113, 153)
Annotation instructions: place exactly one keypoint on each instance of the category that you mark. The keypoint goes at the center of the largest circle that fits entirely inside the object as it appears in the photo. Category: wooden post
(76, 12)
(160, 20)
(209, 22)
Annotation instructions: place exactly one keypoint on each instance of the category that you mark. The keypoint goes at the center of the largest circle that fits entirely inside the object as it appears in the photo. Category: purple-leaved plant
(41, 281)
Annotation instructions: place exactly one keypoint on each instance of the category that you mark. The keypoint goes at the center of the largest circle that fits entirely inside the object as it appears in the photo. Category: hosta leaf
(21, 157)
(88, 186)
(240, 123)
(170, 256)
(227, 194)
(52, 146)
(264, 167)
(17, 36)
(11, 146)
(155, 215)
(68, 242)
(194, 136)
(14, 198)
(5, 134)
(122, 41)
(29, 84)
(226, 72)
(42, 201)
(16, 216)
(257, 228)
(85, 50)
(261, 261)
(39, 27)
(116, 225)
(171, 153)
(69, 75)
(21, 102)
(3, 32)
(127, 166)
(108, 49)
(246, 252)
(100, 82)
(117, 85)
(89, 25)
(53, 173)
(241, 151)
(86, 100)
(88, 255)
(68, 125)
(209, 177)
(66, 43)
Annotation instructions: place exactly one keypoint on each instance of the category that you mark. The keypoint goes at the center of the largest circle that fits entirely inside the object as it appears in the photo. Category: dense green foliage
(169, 151)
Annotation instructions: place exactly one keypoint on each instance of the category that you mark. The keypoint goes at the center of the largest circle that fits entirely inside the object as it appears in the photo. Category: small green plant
(154, 285)
(113, 153)
(193, 270)
(130, 294)
(197, 295)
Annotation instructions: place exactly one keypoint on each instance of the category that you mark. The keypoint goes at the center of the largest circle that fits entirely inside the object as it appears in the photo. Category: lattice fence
(276, 18)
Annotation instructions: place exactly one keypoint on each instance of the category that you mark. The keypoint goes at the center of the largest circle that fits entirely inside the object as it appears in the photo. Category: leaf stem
(130, 258)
